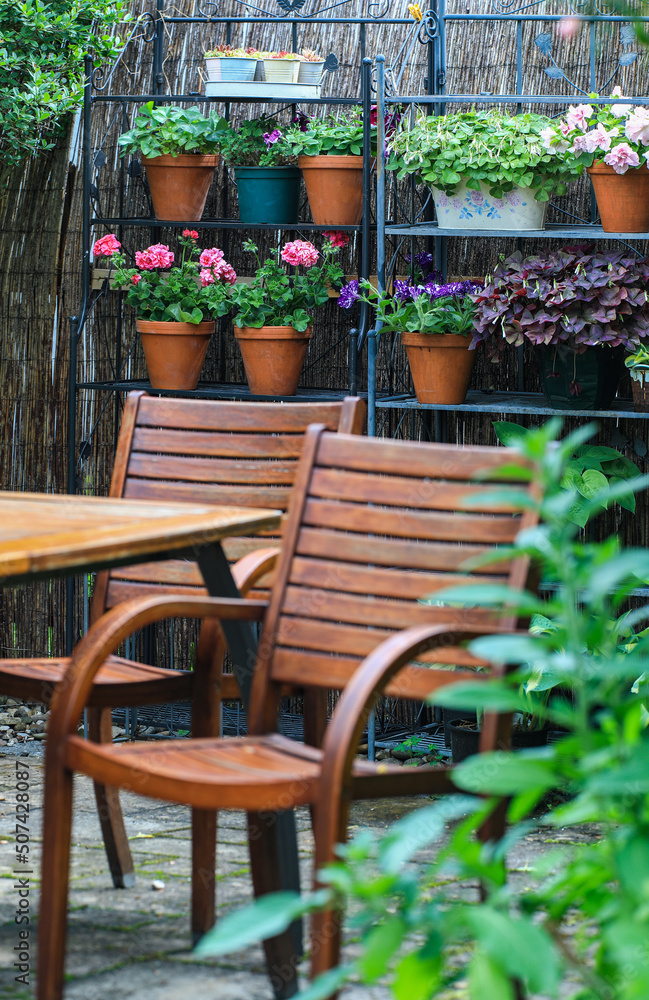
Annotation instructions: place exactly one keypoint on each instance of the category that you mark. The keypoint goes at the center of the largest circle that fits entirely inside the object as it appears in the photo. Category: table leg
(240, 635)
(242, 645)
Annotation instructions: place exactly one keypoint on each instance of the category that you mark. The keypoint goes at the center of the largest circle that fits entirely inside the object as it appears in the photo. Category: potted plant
(638, 365)
(267, 178)
(274, 313)
(179, 152)
(311, 67)
(176, 306)
(435, 320)
(612, 142)
(329, 153)
(578, 307)
(281, 67)
(486, 169)
(226, 63)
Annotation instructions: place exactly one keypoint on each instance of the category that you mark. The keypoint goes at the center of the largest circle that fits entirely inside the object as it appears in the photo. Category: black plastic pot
(585, 381)
(465, 740)
(450, 715)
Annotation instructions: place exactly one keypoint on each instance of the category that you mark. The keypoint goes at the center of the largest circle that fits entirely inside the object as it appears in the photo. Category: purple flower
(270, 138)
(402, 290)
(348, 294)
(301, 120)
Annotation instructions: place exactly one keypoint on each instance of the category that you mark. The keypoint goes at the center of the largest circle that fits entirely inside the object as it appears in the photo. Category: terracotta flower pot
(273, 357)
(174, 352)
(622, 199)
(334, 186)
(441, 365)
(179, 185)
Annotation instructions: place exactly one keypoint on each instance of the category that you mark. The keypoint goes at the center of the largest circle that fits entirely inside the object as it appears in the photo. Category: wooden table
(45, 535)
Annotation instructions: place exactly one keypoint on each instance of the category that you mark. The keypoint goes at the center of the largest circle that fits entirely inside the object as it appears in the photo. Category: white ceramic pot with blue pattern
(468, 209)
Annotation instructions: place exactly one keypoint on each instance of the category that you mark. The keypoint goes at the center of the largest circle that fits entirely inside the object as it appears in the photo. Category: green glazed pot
(268, 194)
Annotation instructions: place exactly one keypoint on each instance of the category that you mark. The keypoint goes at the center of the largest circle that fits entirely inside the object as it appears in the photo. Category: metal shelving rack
(420, 224)
(152, 27)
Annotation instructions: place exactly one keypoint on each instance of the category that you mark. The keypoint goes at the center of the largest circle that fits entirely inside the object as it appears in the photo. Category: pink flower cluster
(215, 268)
(191, 233)
(158, 255)
(622, 157)
(337, 239)
(106, 246)
(300, 252)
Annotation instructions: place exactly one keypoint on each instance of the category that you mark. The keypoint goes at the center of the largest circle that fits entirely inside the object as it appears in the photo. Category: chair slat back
(206, 451)
(378, 526)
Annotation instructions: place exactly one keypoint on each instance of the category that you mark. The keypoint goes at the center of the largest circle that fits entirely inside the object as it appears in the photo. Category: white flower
(637, 126)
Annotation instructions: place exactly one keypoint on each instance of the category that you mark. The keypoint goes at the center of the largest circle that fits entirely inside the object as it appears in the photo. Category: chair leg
(206, 713)
(109, 809)
(52, 924)
(330, 829)
(204, 828)
(281, 959)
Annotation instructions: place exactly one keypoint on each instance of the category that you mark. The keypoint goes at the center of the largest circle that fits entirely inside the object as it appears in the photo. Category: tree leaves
(41, 66)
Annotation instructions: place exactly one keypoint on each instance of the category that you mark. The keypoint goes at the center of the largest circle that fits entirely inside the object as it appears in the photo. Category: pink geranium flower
(300, 252)
(621, 157)
(637, 126)
(157, 255)
(106, 246)
(211, 256)
(221, 272)
(337, 239)
(136, 279)
(190, 232)
(578, 116)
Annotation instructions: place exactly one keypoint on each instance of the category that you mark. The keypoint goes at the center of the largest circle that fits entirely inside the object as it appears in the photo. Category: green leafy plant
(341, 136)
(256, 142)
(579, 920)
(42, 48)
(228, 52)
(498, 150)
(589, 470)
(639, 359)
(276, 298)
(166, 129)
(192, 292)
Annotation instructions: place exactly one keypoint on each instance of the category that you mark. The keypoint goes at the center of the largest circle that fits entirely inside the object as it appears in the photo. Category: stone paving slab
(135, 943)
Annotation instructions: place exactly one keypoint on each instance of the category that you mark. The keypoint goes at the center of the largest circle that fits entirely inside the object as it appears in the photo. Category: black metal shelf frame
(153, 28)
(418, 221)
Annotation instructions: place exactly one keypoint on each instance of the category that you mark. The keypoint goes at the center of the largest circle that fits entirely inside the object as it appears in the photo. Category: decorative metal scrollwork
(429, 28)
(286, 8)
(543, 42)
(585, 7)
(144, 28)
(377, 11)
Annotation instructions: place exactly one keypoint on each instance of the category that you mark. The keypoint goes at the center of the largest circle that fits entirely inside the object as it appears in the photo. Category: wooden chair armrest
(376, 670)
(252, 567)
(105, 635)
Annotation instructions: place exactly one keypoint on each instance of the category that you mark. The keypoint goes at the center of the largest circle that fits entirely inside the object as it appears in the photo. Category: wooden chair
(244, 454)
(374, 525)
